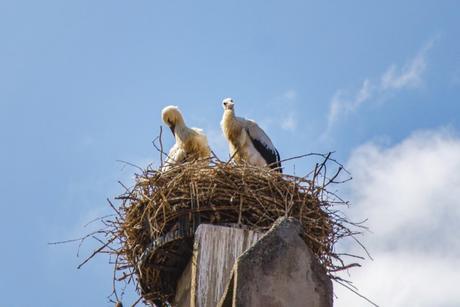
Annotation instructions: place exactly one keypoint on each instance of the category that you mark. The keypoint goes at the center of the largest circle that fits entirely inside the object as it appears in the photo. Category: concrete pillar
(279, 271)
(215, 251)
(232, 267)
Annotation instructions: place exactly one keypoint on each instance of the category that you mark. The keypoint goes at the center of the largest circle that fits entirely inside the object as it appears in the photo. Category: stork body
(247, 141)
(191, 143)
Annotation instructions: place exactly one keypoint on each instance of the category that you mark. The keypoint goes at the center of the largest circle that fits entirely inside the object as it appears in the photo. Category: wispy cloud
(284, 107)
(410, 75)
(289, 117)
(394, 78)
(289, 122)
(409, 194)
(290, 94)
(340, 105)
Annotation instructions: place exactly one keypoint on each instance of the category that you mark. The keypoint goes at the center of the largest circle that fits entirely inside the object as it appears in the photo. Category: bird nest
(151, 235)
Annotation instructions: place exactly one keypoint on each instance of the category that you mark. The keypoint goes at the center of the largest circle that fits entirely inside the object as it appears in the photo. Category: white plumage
(191, 143)
(247, 141)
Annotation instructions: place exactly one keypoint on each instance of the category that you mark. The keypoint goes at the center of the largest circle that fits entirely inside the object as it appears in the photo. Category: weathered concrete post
(279, 270)
(215, 251)
(239, 268)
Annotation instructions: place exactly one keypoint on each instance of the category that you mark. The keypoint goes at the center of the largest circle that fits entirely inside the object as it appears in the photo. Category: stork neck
(228, 118)
(229, 114)
(180, 121)
(181, 132)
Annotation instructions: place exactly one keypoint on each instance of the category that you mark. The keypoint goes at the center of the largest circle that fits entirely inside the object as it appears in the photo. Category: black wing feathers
(270, 155)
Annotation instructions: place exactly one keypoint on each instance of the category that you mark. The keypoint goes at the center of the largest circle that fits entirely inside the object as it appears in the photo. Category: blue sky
(82, 84)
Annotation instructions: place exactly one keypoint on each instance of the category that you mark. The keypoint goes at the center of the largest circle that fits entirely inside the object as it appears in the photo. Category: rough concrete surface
(278, 271)
(232, 267)
(183, 288)
(215, 251)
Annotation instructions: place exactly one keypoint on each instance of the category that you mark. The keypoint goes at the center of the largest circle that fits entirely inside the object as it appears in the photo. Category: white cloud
(408, 76)
(287, 105)
(400, 279)
(394, 78)
(290, 94)
(409, 193)
(284, 107)
(289, 123)
(340, 105)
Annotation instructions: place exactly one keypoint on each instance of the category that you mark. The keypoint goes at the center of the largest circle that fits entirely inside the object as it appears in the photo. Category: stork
(247, 141)
(191, 143)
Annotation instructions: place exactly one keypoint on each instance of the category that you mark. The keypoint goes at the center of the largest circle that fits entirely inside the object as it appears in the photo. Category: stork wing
(263, 144)
(175, 155)
(202, 136)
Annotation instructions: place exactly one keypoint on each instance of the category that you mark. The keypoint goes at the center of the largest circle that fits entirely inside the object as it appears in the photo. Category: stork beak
(172, 129)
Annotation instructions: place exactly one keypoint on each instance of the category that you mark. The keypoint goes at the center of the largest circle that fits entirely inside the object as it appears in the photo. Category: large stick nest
(152, 233)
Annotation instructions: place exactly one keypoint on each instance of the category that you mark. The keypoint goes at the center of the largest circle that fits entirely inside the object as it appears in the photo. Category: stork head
(228, 104)
(172, 117)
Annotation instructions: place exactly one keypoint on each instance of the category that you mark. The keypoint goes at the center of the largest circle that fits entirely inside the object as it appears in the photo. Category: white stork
(191, 143)
(247, 141)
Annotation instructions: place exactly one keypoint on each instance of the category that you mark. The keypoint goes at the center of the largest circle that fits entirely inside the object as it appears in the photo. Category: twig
(161, 145)
(130, 164)
(159, 149)
(356, 292)
(96, 252)
(113, 207)
(137, 302)
(75, 240)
